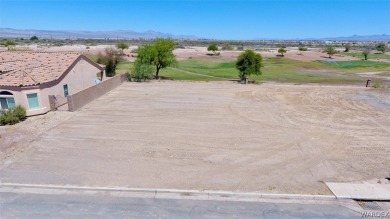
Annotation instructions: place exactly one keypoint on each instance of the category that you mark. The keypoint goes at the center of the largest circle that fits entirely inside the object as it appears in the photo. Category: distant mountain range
(383, 37)
(70, 34)
(128, 34)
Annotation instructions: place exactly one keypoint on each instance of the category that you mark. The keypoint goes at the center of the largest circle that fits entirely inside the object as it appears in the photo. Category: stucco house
(28, 78)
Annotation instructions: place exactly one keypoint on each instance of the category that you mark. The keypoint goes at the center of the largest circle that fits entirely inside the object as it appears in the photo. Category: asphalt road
(27, 205)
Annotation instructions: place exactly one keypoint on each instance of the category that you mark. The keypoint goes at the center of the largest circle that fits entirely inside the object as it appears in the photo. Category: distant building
(28, 78)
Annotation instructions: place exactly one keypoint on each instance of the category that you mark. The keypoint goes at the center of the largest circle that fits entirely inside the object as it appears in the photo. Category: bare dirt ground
(16, 138)
(292, 53)
(200, 52)
(215, 135)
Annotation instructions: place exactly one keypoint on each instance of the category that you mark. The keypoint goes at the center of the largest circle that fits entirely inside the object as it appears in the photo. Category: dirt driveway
(215, 135)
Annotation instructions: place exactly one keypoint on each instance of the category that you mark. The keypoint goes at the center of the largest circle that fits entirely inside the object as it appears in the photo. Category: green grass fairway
(217, 67)
(123, 67)
(356, 64)
(92, 57)
(371, 56)
(275, 69)
(174, 74)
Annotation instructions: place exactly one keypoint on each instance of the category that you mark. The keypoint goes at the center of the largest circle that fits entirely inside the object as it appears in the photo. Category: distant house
(327, 42)
(28, 78)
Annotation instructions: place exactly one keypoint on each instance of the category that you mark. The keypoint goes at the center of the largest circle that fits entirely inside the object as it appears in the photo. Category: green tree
(122, 46)
(159, 54)
(143, 66)
(302, 49)
(212, 47)
(33, 38)
(147, 54)
(330, 51)
(381, 47)
(282, 51)
(164, 55)
(366, 52)
(249, 63)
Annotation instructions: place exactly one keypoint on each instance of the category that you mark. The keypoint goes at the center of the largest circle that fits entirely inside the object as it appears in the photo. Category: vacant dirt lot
(197, 52)
(292, 53)
(215, 135)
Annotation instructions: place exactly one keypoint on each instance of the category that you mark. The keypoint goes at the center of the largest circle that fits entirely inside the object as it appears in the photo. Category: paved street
(30, 205)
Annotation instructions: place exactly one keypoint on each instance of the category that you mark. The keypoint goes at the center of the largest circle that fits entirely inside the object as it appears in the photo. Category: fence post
(70, 103)
(52, 102)
(368, 81)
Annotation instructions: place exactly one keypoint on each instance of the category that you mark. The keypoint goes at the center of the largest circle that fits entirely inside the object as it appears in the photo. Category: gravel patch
(15, 138)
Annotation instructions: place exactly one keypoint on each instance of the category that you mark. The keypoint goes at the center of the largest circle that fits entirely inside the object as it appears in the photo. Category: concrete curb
(360, 191)
(156, 193)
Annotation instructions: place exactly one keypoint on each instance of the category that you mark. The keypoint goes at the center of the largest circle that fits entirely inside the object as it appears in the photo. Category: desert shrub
(110, 59)
(8, 43)
(128, 76)
(330, 50)
(381, 47)
(12, 116)
(2, 113)
(34, 38)
(282, 51)
(20, 112)
(8, 118)
(141, 71)
(110, 68)
(226, 46)
(100, 58)
(302, 48)
(122, 46)
(240, 48)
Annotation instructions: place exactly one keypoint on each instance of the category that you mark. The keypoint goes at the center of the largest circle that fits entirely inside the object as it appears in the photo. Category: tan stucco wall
(80, 99)
(20, 95)
(81, 76)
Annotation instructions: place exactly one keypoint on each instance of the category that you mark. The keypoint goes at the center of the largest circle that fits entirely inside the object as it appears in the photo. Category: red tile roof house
(28, 78)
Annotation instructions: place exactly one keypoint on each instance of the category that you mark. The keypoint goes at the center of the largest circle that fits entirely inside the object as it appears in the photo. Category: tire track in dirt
(315, 153)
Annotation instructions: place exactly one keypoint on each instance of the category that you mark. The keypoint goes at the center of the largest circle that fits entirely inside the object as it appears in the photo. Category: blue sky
(219, 19)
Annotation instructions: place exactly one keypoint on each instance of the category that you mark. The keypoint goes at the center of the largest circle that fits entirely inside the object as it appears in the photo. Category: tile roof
(32, 68)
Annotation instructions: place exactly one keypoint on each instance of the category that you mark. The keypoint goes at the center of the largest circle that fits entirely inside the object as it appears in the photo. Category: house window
(7, 101)
(33, 102)
(66, 92)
